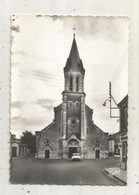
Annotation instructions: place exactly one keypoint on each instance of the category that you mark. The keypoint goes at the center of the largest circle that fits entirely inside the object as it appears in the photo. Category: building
(18, 149)
(72, 129)
(23, 150)
(14, 146)
(123, 107)
(114, 141)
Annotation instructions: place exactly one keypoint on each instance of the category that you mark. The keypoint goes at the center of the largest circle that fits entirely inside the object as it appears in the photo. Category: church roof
(74, 63)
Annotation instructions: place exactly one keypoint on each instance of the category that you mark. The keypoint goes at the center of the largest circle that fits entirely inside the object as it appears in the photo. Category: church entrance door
(97, 153)
(72, 150)
(47, 154)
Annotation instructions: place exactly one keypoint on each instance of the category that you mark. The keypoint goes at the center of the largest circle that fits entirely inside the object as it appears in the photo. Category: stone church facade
(72, 129)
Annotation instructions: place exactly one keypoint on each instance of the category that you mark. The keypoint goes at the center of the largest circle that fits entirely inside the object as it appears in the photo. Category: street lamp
(110, 100)
(104, 104)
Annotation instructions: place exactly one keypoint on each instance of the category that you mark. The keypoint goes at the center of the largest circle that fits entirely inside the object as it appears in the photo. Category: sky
(40, 47)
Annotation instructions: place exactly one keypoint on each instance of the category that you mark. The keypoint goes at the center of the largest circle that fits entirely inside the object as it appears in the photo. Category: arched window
(76, 105)
(71, 83)
(77, 83)
(70, 105)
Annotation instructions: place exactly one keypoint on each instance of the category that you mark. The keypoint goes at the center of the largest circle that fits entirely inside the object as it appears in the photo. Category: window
(126, 112)
(73, 121)
(77, 83)
(76, 105)
(70, 105)
(124, 152)
(71, 83)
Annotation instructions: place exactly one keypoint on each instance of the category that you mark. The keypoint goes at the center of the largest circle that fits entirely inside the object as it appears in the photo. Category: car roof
(76, 154)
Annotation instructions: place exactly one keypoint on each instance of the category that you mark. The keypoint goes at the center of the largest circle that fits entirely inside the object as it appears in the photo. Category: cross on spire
(74, 29)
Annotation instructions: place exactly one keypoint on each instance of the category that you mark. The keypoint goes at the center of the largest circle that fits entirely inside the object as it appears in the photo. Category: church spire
(74, 70)
(74, 63)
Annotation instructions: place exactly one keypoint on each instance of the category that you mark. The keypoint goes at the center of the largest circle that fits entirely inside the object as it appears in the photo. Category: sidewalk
(116, 172)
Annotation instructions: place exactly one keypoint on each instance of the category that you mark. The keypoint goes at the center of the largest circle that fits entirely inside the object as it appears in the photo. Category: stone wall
(49, 138)
(96, 140)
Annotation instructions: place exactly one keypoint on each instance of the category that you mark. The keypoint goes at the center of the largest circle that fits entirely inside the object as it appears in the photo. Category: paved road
(65, 172)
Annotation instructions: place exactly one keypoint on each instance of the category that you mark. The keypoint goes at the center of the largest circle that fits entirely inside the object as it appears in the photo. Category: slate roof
(74, 63)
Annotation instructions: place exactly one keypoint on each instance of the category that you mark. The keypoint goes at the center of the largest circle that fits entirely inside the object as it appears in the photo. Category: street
(62, 172)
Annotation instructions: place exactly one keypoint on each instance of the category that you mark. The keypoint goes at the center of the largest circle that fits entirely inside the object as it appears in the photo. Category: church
(72, 129)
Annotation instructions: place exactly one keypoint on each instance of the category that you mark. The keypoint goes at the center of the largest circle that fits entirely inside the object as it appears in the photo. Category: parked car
(76, 157)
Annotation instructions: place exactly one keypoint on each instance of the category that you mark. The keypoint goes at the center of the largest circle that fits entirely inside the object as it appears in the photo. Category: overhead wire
(122, 63)
(121, 66)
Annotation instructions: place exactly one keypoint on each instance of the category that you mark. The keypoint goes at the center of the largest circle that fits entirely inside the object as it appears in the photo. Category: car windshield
(76, 154)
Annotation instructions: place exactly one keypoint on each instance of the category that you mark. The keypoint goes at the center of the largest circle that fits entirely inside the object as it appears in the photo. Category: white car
(76, 157)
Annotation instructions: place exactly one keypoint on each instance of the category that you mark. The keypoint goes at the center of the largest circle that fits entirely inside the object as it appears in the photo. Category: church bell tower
(73, 106)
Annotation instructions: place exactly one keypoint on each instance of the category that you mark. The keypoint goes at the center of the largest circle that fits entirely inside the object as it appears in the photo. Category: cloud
(20, 124)
(31, 116)
(88, 27)
(46, 103)
(17, 104)
(35, 122)
(28, 121)
(21, 111)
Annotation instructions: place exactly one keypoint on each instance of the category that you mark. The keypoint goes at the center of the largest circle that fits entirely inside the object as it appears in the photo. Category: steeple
(74, 70)
(74, 63)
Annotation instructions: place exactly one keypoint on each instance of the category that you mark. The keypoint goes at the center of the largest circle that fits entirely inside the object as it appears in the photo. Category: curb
(113, 176)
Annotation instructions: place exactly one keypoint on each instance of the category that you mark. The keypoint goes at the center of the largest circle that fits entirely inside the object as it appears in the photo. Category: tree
(28, 138)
